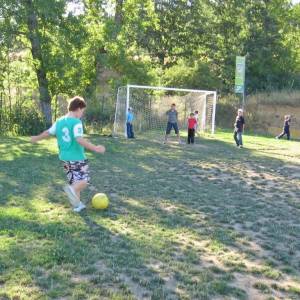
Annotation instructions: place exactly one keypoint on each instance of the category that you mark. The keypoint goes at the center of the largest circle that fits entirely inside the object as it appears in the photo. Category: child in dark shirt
(286, 128)
(239, 128)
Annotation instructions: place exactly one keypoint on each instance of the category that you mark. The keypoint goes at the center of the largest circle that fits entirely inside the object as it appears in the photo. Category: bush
(226, 111)
(283, 97)
(99, 113)
(21, 120)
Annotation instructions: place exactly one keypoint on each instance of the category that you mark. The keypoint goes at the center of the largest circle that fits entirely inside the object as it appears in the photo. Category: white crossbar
(168, 89)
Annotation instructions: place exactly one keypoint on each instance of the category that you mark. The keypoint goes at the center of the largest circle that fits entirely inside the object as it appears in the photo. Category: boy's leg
(189, 136)
(175, 126)
(79, 186)
(73, 198)
(168, 130)
(281, 135)
(78, 176)
(235, 138)
(131, 131)
(128, 130)
(70, 168)
(288, 134)
(192, 136)
(240, 138)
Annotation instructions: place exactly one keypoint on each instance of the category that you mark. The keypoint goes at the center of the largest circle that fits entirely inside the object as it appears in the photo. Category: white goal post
(150, 103)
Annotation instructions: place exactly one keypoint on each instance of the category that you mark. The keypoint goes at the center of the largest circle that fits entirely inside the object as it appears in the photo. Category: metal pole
(127, 106)
(116, 110)
(214, 113)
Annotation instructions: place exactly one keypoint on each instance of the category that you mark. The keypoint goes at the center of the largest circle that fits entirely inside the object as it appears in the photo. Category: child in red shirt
(192, 122)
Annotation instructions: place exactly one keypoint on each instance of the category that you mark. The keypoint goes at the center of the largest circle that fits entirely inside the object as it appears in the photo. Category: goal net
(150, 104)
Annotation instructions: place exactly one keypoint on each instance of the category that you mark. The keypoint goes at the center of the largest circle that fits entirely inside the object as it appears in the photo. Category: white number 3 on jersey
(66, 135)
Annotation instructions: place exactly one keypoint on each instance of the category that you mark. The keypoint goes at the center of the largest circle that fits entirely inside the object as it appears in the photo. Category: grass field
(208, 221)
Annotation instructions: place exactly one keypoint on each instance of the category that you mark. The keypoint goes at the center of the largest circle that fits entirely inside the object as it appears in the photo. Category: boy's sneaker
(80, 207)
(71, 195)
(240, 146)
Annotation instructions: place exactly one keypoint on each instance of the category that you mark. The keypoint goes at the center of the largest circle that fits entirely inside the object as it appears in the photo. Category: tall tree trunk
(118, 14)
(36, 50)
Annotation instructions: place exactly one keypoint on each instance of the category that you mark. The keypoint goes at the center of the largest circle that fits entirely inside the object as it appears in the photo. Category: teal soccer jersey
(66, 130)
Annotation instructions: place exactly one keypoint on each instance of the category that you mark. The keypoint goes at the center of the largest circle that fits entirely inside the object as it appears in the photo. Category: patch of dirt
(246, 282)
(79, 278)
(168, 207)
(137, 290)
(170, 283)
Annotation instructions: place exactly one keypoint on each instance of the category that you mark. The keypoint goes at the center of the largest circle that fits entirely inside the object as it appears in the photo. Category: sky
(77, 8)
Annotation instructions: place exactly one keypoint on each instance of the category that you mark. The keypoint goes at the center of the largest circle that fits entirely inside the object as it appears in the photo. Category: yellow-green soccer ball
(100, 201)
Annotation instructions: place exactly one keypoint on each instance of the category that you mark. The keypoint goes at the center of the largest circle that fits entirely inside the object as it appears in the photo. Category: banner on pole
(240, 74)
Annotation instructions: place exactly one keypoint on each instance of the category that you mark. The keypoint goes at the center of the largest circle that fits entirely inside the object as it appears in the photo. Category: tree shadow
(138, 182)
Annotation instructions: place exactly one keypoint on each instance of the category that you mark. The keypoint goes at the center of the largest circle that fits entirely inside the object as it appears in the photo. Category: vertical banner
(240, 74)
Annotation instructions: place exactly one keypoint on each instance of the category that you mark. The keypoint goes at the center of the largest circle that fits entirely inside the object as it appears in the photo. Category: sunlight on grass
(183, 223)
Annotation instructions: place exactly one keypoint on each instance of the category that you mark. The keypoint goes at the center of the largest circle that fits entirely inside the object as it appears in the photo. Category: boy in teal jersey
(69, 133)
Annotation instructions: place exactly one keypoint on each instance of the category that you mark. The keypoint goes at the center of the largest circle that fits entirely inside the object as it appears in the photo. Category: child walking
(239, 128)
(71, 144)
(286, 128)
(192, 123)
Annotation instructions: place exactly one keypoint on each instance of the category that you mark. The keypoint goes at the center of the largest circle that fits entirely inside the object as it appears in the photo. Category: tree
(34, 37)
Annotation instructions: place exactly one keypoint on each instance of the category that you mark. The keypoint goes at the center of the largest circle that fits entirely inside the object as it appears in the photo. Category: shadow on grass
(156, 177)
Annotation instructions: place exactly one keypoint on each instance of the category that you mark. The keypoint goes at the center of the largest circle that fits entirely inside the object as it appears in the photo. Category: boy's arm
(86, 144)
(43, 135)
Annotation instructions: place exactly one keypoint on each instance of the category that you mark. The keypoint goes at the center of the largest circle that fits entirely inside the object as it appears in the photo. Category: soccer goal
(150, 104)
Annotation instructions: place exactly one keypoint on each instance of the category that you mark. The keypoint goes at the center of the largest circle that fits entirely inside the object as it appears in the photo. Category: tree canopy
(90, 47)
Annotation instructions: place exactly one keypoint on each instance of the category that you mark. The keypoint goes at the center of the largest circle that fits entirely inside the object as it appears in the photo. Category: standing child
(286, 128)
(69, 134)
(239, 126)
(172, 115)
(129, 126)
(192, 122)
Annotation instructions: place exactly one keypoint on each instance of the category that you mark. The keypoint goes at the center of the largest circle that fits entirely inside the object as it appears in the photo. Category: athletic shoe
(240, 146)
(71, 195)
(79, 208)
(276, 137)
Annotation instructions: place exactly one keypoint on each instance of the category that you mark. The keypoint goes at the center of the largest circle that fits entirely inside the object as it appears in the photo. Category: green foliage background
(52, 47)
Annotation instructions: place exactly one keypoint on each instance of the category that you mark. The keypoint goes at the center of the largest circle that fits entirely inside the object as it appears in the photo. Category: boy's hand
(99, 149)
